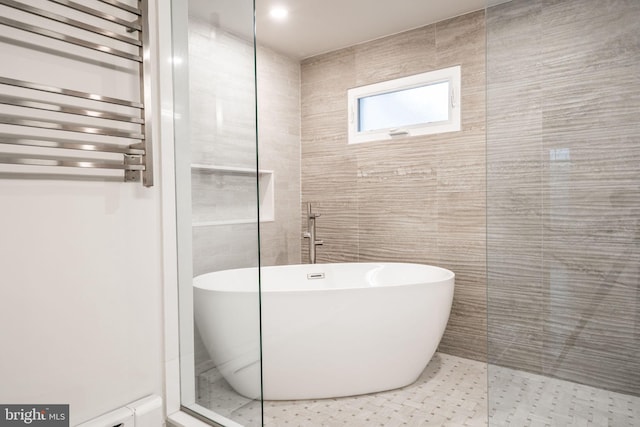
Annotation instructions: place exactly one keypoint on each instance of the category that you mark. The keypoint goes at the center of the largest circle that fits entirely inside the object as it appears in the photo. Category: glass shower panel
(217, 199)
(563, 197)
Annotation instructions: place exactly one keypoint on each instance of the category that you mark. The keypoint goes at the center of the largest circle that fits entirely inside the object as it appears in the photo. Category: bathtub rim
(204, 286)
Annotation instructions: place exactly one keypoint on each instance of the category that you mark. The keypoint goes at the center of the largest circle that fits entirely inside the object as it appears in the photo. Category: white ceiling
(318, 26)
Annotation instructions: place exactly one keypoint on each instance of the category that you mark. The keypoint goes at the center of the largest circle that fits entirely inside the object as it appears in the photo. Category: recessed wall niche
(223, 195)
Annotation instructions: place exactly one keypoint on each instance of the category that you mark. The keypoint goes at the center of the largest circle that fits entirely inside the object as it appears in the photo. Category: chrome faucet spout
(311, 234)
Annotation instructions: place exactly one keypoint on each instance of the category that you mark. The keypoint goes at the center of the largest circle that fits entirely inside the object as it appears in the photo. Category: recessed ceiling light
(279, 13)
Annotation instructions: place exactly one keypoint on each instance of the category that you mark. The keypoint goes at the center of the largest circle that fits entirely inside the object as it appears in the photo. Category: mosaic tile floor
(451, 392)
(520, 399)
(216, 394)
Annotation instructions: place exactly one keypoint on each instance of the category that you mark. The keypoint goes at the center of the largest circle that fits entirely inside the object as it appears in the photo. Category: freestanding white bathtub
(328, 330)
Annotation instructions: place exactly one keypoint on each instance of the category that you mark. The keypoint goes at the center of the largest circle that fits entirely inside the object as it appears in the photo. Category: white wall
(80, 301)
(80, 274)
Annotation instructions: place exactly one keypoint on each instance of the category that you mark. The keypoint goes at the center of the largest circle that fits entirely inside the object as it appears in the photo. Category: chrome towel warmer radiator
(129, 132)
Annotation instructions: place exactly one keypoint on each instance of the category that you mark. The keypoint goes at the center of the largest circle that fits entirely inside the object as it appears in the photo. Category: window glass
(407, 107)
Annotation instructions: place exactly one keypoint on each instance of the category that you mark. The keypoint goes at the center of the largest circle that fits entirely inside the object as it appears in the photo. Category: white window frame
(451, 74)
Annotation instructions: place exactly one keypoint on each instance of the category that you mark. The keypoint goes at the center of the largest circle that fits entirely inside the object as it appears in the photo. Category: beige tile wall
(223, 133)
(416, 199)
(279, 150)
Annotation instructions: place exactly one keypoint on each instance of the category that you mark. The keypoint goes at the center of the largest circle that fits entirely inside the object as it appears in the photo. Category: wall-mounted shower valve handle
(306, 235)
(318, 242)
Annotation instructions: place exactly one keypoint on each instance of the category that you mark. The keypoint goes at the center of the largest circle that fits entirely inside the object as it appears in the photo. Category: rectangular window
(421, 104)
